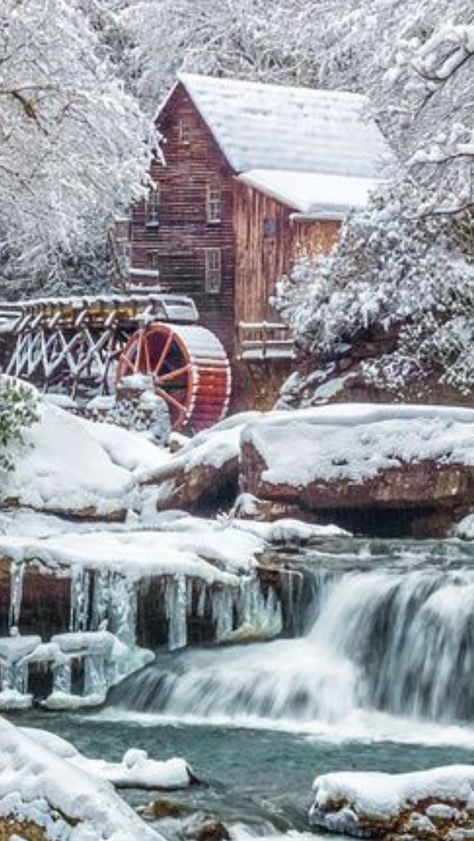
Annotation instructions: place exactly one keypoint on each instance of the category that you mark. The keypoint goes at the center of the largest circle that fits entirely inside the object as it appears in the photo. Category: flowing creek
(381, 679)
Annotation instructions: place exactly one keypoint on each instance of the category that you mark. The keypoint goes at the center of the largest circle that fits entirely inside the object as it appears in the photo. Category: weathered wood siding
(178, 245)
(267, 243)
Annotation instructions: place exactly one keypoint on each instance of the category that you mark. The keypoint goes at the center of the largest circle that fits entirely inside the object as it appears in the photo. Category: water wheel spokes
(156, 352)
(188, 369)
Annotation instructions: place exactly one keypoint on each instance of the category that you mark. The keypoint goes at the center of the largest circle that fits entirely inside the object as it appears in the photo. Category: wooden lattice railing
(264, 340)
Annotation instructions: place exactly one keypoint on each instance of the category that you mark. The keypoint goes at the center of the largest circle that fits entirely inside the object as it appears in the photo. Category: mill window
(213, 279)
(184, 133)
(152, 208)
(213, 203)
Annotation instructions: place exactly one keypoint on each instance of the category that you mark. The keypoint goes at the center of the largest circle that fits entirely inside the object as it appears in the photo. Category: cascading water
(397, 640)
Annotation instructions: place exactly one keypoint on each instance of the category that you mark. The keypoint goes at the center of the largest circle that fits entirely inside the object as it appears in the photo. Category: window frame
(213, 273)
(213, 204)
(184, 133)
(153, 207)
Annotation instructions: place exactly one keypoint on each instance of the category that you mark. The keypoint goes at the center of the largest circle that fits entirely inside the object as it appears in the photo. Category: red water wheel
(189, 369)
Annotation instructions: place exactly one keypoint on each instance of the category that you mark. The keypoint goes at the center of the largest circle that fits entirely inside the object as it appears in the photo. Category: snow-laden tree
(72, 151)
(278, 41)
(403, 273)
(394, 280)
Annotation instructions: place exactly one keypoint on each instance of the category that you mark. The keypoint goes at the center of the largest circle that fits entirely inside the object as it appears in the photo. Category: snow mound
(71, 804)
(432, 802)
(72, 466)
(125, 448)
(136, 770)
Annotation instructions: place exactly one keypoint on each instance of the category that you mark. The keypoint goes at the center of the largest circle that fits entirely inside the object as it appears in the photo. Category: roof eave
(267, 191)
(323, 215)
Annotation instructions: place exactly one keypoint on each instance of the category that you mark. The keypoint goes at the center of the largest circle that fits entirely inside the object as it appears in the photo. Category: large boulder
(362, 457)
(436, 805)
(203, 474)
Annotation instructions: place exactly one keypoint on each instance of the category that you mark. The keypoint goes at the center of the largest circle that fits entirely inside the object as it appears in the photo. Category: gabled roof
(260, 126)
(310, 194)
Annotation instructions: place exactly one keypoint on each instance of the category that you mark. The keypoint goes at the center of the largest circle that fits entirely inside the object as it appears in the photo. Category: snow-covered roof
(260, 126)
(312, 194)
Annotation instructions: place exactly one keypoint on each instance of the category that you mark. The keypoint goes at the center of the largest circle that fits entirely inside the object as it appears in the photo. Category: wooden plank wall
(177, 246)
(262, 259)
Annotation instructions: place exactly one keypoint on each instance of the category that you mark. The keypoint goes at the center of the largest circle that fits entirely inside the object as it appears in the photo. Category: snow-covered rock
(136, 769)
(434, 804)
(362, 456)
(72, 466)
(177, 544)
(288, 531)
(43, 789)
(202, 469)
(106, 661)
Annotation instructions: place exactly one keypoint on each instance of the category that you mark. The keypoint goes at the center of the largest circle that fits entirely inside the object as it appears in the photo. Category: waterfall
(395, 640)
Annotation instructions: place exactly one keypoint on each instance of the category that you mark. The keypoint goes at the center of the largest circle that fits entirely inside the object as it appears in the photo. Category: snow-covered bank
(41, 788)
(437, 804)
(69, 465)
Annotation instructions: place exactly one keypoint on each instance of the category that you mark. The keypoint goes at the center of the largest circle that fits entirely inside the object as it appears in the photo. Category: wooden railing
(264, 340)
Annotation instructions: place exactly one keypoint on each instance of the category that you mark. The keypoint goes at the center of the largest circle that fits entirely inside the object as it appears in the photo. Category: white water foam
(389, 658)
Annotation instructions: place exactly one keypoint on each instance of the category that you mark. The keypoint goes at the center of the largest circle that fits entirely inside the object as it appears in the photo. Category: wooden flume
(86, 346)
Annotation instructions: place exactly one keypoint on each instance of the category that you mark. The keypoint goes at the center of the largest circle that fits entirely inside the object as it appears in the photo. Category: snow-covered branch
(72, 149)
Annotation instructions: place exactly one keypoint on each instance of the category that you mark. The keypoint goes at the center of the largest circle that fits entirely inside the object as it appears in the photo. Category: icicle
(123, 609)
(80, 589)
(95, 682)
(201, 602)
(272, 615)
(176, 612)
(101, 598)
(62, 678)
(223, 613)
(16, 592)
(257, 612)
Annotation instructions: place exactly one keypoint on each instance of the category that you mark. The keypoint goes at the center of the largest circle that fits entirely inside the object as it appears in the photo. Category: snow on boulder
(62, 468)
(39, 788)
(361, 456)
(71, 466)
(433, 804)
(125, 448)
(204, 470)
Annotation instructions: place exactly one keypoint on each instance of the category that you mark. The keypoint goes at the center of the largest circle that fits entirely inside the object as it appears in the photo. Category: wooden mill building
(251, 176)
